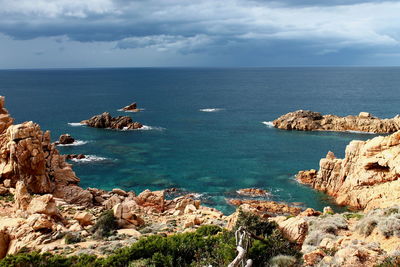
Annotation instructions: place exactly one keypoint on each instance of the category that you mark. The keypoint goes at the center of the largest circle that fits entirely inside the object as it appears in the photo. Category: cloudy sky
(147, 33)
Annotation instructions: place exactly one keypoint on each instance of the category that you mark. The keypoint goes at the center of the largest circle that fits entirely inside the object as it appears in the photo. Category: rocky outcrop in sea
(105, 120)
(305, 120)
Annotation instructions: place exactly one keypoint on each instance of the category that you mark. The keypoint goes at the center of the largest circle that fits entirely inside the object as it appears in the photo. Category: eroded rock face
(305, 120)
(27, 155)
(105, 120)
(368, 176)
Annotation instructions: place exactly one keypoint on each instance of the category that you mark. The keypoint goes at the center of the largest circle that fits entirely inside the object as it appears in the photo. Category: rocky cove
(44, 209)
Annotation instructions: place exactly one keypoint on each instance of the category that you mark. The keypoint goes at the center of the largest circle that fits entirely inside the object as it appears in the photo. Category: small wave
(122, 110)
(268, 123)
(359, 132)
(149, 128)
(210, 109)
(75, 143)
(75, 124)
(90, 158)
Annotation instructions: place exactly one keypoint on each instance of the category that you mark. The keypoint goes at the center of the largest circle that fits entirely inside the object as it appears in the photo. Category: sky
(198, 33)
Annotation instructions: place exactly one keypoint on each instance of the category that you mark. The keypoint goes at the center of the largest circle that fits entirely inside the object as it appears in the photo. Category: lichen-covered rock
(22, 197)
(368, 176)
(305, 120)
(105, 120)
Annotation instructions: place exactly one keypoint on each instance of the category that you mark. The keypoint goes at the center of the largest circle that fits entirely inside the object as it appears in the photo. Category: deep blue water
(214, 153)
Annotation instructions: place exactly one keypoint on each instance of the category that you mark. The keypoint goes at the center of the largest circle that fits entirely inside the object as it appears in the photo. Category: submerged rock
(253, 192)
(105, 120)
(367, 177)
(305, 120)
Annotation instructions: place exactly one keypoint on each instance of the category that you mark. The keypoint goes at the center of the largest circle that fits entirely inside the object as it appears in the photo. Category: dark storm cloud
(304, 28)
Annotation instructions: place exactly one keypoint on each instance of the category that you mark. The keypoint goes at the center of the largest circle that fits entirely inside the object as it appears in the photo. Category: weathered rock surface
(305, 120)
(105, 120)
(27, 155)
(65, 139)
(367, 178)
(131, 108)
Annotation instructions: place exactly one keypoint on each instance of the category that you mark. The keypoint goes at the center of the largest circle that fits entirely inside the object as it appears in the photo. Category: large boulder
(44, 204)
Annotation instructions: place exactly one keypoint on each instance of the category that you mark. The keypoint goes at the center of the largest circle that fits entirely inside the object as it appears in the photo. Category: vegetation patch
(208, 245)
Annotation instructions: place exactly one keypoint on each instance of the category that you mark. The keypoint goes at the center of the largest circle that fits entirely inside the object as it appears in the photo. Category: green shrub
(283, 261)
(209, 245)
(390, 262)
(105, 225)
(349, 215)
(72, 238)
(7, 197)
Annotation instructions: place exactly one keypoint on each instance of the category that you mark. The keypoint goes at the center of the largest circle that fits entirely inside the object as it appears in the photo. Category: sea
(207, 130)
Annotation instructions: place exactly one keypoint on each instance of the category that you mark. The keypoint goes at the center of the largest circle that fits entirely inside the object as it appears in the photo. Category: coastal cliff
(367, 177)
(305, 120)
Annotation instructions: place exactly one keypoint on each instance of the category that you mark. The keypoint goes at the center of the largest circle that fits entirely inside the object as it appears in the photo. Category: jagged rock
(153, 199)
(22, 197)
(65, 139)
(5, 119)
(84, 218)
(106, 121)
(305, 120)
(368, 176)
(131, 108)
(190, 209)
(4, 238)
(44, 204)
(27, 154)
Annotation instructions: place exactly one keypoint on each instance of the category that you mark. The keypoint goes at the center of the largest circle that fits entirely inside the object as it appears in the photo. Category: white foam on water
(359, 132)
(75, 143)
(75, 124)
(149, 128)
(90, 158)
(268, 123)
(210, 109)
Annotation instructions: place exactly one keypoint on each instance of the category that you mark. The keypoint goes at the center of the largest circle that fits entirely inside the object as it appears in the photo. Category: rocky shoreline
(42, 207)
(305, 120)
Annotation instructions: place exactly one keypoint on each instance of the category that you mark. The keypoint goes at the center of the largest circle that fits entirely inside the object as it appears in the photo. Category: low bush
(283, 261)
(105, 225)
(387, 221)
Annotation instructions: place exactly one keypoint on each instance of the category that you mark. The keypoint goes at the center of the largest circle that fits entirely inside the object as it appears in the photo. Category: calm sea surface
(211, 153)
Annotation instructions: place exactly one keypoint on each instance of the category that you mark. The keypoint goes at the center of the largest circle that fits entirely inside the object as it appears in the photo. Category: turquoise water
(212, 153)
